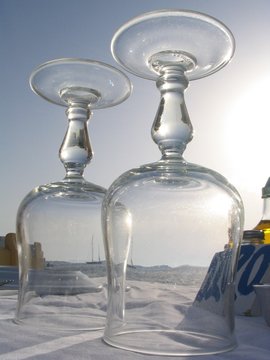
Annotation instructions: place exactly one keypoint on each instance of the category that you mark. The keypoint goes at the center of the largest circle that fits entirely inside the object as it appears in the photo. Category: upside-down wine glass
(62, 271)
(172, 229)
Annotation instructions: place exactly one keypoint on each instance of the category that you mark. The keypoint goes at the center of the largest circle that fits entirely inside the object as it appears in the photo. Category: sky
(229, 109)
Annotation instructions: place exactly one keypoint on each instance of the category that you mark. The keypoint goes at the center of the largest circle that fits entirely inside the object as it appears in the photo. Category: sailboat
(94, 261)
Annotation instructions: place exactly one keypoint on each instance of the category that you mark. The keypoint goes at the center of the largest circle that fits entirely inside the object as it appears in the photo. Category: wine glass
(172, 229)
(61, 255)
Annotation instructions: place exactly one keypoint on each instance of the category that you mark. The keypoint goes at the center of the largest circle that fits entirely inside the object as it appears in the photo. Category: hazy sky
(229, 110)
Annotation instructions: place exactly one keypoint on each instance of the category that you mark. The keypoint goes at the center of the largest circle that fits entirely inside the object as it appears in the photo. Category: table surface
(19, 342)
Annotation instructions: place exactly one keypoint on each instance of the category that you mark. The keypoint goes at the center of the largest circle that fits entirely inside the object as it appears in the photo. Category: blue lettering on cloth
(252, 259)
(217, 277)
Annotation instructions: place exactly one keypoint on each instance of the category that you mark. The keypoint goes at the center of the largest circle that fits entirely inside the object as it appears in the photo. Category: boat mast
(92, 248)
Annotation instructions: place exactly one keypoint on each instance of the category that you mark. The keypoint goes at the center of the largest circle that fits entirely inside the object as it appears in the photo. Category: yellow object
(264, 224)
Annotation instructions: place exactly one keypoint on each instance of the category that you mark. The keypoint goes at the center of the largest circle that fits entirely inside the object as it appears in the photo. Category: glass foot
(198, 39)
(63, 80)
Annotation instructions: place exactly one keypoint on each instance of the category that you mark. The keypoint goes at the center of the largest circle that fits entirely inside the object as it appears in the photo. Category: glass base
(63, 322)
(171, 342)
(97, 83)
(209, 42)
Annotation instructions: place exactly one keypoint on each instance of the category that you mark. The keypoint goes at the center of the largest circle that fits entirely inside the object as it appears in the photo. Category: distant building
(9, 252)
(37, 257)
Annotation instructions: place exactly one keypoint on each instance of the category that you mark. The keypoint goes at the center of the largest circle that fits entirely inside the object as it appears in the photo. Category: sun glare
(247, 126)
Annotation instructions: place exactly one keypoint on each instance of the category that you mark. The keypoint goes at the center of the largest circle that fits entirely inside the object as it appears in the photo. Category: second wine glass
(172, 228)
(62, 270)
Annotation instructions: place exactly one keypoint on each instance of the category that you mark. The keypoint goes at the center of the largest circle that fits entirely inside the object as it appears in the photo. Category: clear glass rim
(112, 340)
(173, 12)
(83, 62)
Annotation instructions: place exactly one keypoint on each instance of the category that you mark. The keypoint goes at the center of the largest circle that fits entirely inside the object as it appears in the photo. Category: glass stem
(75, 151)
(172, 129)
